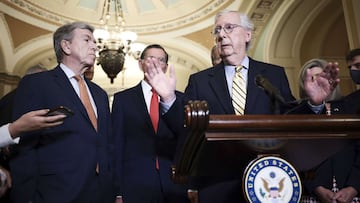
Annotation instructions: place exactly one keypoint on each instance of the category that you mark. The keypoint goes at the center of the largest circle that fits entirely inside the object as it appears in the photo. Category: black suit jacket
(137, 147)
(58, 164)
(345, 164)
(6, 107)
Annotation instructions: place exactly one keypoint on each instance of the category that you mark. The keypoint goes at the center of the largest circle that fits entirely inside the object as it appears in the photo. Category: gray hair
(245, 22)
(65, 32)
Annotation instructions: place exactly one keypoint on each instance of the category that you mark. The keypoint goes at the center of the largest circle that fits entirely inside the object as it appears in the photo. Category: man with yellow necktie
(232, 32)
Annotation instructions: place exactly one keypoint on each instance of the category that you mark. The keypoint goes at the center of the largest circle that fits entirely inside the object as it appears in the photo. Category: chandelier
(113, 41)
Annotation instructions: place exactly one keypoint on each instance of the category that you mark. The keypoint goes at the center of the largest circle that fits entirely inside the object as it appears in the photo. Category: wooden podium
(217, 144)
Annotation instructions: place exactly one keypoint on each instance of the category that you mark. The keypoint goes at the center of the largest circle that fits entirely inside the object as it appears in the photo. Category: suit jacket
(6, 107)
(347, 105)
(344, 165)
(58, 164)
(137, 146)
(210, 85)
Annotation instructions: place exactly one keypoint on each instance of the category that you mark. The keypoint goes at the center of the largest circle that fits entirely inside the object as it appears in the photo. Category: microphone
(272, 91)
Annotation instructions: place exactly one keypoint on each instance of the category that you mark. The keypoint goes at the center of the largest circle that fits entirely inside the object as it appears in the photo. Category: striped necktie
(238, 92)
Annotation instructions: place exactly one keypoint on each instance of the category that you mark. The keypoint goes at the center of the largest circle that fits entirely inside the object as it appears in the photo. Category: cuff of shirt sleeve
(5, 138)
(166, 106)
(316, 108)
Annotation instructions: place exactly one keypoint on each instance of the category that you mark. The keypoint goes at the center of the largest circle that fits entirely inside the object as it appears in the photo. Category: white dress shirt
(5, 137)
(70, 75)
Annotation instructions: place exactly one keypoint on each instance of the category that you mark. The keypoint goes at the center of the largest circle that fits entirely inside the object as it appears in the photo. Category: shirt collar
(244, 63)
(68, 72)
(145, 86)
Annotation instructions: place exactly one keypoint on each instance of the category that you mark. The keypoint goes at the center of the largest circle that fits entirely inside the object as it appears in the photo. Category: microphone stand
(275, 105)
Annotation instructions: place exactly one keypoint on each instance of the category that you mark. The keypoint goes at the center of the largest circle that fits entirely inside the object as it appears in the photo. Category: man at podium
(229, 88)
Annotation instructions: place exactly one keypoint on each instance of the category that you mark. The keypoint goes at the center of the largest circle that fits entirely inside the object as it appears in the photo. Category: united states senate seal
(271, 179)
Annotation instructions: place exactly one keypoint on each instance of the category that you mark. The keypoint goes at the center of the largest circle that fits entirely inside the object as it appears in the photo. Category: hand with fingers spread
(163, 84)
(133, 110)
(320, 87)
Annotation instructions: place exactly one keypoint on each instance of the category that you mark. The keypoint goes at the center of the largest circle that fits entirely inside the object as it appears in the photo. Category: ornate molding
(159, 27)
(39, 12)
(261, 15)
(9, 79)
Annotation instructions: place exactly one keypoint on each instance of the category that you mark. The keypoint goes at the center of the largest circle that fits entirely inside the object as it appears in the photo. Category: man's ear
(141, 65)
(248, 36)
(65, 46)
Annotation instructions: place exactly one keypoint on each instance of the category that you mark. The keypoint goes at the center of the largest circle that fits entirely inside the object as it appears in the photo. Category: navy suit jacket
(58, 164)
(6, 107)
(137, 146)
(211, 85)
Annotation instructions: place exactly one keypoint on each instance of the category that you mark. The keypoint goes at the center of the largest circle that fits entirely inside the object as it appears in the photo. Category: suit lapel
(139, 101)
(254, 69)
(219, 85)
(65, 86)
(68, 91)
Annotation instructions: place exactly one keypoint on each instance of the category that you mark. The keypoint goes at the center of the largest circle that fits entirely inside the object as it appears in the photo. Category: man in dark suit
(70, 162)
(7, 101)
(232, 32)
(145, 151)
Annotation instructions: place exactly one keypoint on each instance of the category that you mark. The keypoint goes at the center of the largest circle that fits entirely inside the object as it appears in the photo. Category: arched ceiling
(181, 26)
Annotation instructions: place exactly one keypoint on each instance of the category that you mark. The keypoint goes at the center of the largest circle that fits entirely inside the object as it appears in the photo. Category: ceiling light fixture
(113, 42)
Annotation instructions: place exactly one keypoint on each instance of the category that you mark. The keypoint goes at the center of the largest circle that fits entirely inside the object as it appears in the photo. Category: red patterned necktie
(154, 110)
(154, 115)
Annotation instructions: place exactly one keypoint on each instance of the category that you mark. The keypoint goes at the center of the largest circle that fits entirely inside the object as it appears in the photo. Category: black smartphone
(60, 110)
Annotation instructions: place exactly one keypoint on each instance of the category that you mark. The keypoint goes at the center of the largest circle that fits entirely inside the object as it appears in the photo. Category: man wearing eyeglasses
(144, 144)
(232, 32)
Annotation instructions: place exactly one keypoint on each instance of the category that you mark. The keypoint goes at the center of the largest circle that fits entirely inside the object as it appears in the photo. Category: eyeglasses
(228, 28)
(356, 65)
(161, 60)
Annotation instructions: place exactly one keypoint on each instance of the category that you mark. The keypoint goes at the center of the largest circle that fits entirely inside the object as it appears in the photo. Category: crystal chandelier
(113, 41)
